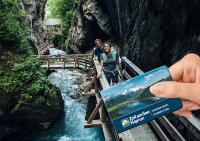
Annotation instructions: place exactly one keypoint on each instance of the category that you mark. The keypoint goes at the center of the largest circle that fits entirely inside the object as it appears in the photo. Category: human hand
(186, 84)
(99, 75)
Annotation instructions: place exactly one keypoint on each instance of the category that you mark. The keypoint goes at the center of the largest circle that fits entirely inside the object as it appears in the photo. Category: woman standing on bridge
(109, 62)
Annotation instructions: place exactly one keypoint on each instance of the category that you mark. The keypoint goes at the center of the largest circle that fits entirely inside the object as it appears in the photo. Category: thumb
(170, 89)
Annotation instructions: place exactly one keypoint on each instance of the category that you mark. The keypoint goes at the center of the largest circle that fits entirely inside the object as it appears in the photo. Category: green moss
(25, 97)
(40, 100)
(17, 107)
(64, 10)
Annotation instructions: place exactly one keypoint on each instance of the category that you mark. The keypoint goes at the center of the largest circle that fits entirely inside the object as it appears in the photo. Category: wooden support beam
(94, 123)
(88, 94)
(90, 85)
(89, 78)
(96, 110)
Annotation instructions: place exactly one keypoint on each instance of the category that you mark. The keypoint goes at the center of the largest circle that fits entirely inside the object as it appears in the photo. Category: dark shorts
(111, 77)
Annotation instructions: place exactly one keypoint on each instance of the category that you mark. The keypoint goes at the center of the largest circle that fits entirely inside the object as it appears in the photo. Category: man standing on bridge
(98, 49)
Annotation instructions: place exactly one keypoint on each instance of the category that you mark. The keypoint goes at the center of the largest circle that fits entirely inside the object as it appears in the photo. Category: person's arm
(94, 56)
(101, 68)
(186, 84)
(101, 64)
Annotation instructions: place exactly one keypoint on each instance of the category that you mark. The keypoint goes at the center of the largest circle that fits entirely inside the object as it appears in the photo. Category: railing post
(48, 64)
(85, 67)
(64, 62)
(77, 62)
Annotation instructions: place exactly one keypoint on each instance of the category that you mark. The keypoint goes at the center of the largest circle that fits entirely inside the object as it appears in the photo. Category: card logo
(125, 122)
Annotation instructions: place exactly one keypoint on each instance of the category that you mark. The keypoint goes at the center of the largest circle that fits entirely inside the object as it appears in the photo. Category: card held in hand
(130, 103)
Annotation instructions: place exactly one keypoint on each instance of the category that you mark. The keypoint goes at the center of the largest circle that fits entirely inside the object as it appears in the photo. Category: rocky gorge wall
(149, 32)
(35, 15)
(28, 101)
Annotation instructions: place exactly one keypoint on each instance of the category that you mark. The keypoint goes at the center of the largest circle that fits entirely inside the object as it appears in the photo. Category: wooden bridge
(53, 27)
(166, 128)
(43, 48)
(82, 61)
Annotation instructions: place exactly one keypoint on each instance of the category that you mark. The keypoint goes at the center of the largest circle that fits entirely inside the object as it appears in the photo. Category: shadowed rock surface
(149, 32)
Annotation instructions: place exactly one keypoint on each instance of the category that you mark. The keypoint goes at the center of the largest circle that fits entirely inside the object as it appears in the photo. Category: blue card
(130, 103)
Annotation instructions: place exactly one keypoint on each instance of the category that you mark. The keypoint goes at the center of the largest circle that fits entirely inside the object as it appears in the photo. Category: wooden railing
(163, 126)
(96, 85)
(43, 48)
(83, 61)
(54, 33)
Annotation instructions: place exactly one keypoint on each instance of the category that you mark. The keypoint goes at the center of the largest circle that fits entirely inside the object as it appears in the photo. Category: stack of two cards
(130, 103)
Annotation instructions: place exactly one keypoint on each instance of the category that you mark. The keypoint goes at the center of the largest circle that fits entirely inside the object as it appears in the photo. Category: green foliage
(12, 26)
(40, 99)
(69, 41)
(25, 78)
(20, 73)
(62, 9)
(59, 41)
(25, 97)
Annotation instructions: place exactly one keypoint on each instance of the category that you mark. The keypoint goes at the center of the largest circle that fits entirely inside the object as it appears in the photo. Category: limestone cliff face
(157, 32)
(149, 32)
(35, 16)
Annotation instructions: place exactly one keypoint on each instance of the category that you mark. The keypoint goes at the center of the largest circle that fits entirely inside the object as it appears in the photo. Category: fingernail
(157, 89)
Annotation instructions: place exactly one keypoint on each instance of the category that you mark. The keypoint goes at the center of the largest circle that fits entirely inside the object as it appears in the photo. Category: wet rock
(75, 95)
(29, 117)
(85, 85)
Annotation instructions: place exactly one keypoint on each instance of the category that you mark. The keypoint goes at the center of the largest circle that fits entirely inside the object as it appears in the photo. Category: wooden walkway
(44, 48)
(140, 133)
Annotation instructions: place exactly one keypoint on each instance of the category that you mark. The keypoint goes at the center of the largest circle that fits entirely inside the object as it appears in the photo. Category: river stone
(76, 95)
(74, 86)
